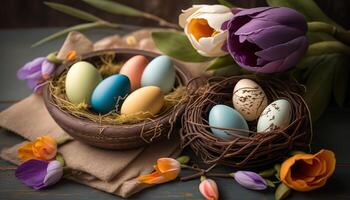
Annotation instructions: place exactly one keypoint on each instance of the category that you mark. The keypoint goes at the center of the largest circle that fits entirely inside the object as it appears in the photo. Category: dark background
(33, 13)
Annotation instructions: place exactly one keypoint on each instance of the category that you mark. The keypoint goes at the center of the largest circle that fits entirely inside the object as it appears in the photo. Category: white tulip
(202, 25)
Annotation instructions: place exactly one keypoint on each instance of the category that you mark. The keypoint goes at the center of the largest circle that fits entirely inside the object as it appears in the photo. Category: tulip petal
(32, 83)
(329, 158)
(32, 173)
(153, 178)
(271, 36)
(187, 13)
(30, 68)
(284, 16)
(250, 180)
(282, 50)
(252, 11)
(54, 173)
(254, 26)
(209, 189)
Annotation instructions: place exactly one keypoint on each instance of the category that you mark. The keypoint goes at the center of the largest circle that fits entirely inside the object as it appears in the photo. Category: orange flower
(167, 169)
(209, 189)
(42, 148)
(305, 172)
(71, 55)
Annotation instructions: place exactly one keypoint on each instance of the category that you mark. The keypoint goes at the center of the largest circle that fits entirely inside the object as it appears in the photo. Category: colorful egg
(148, 100)
(249, 99)
(108, 95)
(133, 69)
(223, 116)
(159, 72)
(81, 80)
(275, 116)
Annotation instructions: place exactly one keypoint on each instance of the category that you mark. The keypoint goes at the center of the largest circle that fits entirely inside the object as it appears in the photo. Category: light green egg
(81, 80)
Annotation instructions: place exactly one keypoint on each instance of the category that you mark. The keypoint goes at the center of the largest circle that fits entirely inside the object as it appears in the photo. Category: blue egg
(159, 72)
(223, 116)
(109, 92)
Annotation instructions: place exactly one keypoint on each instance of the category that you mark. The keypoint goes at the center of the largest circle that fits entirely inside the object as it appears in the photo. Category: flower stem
(327, 47)
(338, 33)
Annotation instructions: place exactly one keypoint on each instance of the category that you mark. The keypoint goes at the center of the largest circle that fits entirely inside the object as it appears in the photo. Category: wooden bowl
(123, 136)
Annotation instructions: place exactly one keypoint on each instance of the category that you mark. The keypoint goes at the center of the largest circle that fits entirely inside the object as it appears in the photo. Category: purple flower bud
(36, 72)
(39, 174)
(267, 39)
(250, 180)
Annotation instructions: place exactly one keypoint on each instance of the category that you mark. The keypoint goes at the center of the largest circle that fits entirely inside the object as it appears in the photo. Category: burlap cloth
(111, 171)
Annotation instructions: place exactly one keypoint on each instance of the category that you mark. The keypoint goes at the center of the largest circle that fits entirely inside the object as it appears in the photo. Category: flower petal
(329, 158)
(54, 173)
(30, 68)
(187, 13)
(25, 152)
(32, 173)
(47, 68)
(153, 178)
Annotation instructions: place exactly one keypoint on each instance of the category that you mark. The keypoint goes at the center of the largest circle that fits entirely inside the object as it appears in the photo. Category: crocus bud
(267, 39)
(202, 25)
(39, 174)
(250, 180)
(209, 189)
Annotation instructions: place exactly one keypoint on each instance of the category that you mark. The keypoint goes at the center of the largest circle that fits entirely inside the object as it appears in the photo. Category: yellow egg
(249, 99)
(148, 100)
(81, 80)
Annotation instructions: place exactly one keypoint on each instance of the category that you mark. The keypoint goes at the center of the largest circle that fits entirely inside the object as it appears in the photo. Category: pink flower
(209, 189)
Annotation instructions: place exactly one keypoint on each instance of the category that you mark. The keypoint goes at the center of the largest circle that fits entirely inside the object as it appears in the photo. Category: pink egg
(133, 69)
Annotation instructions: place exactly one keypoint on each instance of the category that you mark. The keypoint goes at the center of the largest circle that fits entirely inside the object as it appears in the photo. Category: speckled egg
(249, 99)
(81, 80)
(133, 69)
(108, 95)
(275, 116)
(223, 116)
(159, 72)
(148, 100)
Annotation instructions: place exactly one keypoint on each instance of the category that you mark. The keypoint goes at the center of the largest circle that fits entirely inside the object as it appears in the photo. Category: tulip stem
(327, 47)
(338, 33)
(160, 20)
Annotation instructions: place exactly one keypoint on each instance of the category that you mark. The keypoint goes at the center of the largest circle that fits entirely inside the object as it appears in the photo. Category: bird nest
(257, 149)
(114, 130)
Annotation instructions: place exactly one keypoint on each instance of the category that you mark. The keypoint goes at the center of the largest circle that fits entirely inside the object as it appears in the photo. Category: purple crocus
(266, 39)
(250, 180)
(36, 72)
(39, 174)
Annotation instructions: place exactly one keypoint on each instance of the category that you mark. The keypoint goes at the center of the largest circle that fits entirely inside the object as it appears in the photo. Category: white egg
(249, 99)
(276, 116)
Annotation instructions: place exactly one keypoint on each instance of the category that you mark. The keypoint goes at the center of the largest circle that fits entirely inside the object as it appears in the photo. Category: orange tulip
(167, 169)
(305, 172)
(209, 189)
(42, 148)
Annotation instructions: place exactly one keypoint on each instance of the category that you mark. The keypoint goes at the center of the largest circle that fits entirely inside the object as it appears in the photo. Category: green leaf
(308, 8)
(114, 7)
(79, 27)
(282, 192)
(221, 62)
(72, 11)
(341, 79)
(226, 3)
(230, 70)
(177, 45)
(319, 85)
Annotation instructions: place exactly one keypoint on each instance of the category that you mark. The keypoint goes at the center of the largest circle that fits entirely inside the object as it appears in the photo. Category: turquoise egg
(109, 93)
(223, 116)
(159, 72)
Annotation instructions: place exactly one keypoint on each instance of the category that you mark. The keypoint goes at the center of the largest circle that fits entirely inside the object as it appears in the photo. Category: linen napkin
(114, 172)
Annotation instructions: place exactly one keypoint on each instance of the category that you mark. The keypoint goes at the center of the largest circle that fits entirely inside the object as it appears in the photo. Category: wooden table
(332, 132)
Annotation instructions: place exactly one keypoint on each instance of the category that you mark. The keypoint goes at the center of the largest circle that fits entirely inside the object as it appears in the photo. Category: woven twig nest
(257, 149)
(105, 131)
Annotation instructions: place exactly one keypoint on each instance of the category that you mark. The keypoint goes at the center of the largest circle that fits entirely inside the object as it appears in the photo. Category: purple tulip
(39, 174)
(250, 180)
(36, 72)
(266, 39)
